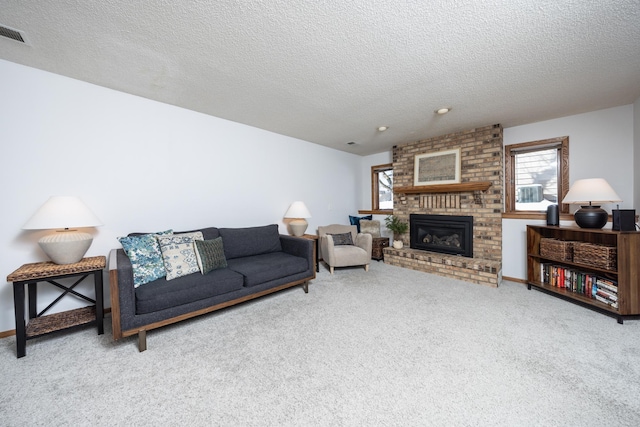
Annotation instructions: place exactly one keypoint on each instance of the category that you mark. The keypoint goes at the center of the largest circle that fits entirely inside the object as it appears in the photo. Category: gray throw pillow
(210, 255)
(341, 239)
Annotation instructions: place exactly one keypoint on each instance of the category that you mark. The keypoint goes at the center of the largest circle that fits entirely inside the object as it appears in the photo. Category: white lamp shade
(297, 210)
(592, 190)
(62, 212)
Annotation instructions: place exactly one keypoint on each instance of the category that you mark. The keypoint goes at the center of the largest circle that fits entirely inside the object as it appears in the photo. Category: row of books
(590, 285)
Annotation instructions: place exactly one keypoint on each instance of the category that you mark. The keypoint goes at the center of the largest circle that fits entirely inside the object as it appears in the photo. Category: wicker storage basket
(561, 250)
(600, 256)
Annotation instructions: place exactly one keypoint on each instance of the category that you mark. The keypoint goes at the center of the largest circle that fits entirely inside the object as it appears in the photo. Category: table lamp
(585, 192)
(298, 211)
(65, 246)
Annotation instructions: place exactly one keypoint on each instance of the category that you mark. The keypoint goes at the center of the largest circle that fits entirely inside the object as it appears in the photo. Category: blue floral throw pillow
(145, 256)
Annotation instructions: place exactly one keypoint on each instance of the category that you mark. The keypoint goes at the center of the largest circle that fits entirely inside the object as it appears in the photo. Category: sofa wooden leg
(366, 267)
(331, 269)
(142, 341)
(305, 286)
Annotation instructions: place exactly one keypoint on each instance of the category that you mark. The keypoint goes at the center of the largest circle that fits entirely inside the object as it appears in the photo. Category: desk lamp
(585, 192)
(65, 246)
(298, 211)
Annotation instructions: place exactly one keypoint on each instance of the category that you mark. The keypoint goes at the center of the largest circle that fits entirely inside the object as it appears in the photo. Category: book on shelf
(581, 282)
(603, 300)
(607, 295)
(607, 284)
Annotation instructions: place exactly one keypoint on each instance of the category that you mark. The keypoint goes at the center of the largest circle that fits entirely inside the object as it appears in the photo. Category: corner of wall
(636, 151)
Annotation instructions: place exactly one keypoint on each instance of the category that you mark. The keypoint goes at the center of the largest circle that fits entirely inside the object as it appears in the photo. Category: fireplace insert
(448, 234)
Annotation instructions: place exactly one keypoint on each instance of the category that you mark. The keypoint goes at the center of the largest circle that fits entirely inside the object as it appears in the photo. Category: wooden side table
(31, 274)
(377, 247)
(315, 238)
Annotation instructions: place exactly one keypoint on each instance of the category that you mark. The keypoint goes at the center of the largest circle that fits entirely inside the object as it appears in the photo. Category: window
(537, 174)
(382, 188)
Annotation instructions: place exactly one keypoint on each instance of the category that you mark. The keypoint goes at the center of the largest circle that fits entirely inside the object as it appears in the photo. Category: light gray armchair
(336, 250)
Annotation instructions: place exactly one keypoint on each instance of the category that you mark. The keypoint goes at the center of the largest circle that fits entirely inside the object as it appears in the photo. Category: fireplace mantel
(444, 188)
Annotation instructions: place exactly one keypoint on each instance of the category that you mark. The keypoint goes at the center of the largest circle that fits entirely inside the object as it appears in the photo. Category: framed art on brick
(440, 167)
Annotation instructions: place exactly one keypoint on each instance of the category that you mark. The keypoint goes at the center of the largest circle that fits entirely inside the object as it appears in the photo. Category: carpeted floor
(388, 347)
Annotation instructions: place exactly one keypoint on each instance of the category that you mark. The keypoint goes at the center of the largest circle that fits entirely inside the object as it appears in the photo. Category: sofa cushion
(244, 242)
(210, 254)
(178, 254)
(259, 269)
(144, 253)
(208, 233)
(162, 294)
(193, 235)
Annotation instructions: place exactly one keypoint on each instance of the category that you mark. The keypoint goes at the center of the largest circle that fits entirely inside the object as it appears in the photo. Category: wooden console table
(624, 274)
(31, 274)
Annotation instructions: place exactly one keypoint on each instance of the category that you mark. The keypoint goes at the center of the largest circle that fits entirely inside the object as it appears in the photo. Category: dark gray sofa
(260, 261)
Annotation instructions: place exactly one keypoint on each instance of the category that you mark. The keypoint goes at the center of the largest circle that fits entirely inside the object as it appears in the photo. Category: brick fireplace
(479, 195)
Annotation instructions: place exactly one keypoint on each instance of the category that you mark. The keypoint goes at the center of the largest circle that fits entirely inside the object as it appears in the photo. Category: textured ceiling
(332, 71)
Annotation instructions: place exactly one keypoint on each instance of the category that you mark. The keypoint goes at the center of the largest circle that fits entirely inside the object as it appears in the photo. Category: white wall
(145, 166)
(600, 146)
(636, 149)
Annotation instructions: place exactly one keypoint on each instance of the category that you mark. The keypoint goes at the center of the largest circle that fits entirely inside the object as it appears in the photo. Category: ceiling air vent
(11, 34)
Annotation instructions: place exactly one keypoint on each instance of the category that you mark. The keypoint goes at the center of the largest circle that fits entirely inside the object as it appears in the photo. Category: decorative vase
(397, 244)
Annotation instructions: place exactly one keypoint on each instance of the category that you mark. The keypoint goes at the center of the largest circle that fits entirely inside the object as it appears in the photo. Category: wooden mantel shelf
(445, 188)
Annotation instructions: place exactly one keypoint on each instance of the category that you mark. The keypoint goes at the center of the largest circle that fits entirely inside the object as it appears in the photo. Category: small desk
(31, 274)
(315, 238)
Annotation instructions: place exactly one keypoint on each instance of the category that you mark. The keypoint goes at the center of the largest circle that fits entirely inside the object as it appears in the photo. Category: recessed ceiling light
(443, 110)
(383, 128)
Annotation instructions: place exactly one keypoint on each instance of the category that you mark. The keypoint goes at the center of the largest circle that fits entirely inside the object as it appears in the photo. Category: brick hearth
(473, 270)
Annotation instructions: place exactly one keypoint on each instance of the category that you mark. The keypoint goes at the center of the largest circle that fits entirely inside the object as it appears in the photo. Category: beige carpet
(388, 347)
